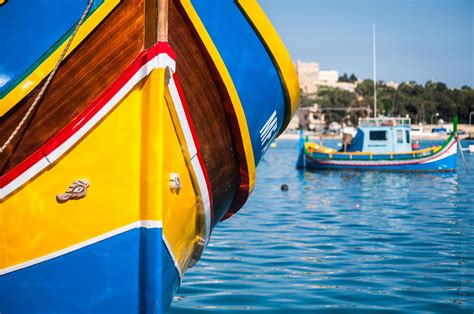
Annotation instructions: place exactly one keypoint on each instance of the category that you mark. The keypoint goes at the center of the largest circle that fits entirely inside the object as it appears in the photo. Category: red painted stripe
(243, 192)
(20, 168)
(77, 123)
(208, 184)
(196, 141)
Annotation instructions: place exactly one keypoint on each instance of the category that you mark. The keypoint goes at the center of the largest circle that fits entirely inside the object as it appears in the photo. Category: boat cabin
(382, 136)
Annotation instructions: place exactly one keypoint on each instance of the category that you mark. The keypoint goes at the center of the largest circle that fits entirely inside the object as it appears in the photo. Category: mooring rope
(48, 81)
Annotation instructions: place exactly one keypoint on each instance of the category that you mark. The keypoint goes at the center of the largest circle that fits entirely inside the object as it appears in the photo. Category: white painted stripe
(175, 261)
(162, 60)
(269, 128)
(143, 72)
(196, 168)
(204, 194)
(266, 127)
(147, 224)
(23, 178)
(182, 118)
(270, 133)
(268, 121)
(203, 191)
(442, 154)
(450, 149)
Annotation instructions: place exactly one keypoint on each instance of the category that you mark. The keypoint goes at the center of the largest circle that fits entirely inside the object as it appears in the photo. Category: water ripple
(339, 242)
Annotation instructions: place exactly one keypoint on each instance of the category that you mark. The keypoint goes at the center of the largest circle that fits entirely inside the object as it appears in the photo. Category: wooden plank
(151, 28)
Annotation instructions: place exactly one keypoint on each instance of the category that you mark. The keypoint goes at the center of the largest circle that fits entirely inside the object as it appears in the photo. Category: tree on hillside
(365, 88)
(344, 78)
(335, 102)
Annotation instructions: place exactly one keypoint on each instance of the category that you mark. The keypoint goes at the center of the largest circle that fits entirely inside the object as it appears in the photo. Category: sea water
(340, 242)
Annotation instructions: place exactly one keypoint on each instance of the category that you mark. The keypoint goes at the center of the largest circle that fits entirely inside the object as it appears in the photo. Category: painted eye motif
(77, 190)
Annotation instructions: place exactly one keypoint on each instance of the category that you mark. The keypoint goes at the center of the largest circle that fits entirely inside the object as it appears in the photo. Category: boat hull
(160, 136)
(107, 250)
(106, 276)
(442, 161)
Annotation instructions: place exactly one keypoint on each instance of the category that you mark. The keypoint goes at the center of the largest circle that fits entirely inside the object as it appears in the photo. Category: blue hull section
(129, 273)
(253, 72)
(171, 280)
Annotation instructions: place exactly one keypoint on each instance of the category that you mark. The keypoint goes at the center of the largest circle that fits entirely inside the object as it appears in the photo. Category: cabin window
(399, 136)
(408, 136)
(378, 135)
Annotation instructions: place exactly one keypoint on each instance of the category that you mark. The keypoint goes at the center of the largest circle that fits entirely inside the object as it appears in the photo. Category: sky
(417, 40)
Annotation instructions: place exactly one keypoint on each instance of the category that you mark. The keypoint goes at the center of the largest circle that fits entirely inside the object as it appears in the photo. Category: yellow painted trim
(325, 150)
(183, 212)
(32, 80)
(151, 184)
(277, 51)
(229, 84)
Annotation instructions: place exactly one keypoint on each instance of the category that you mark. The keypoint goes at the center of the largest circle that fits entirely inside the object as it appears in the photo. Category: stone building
(308, 75)
(311, 118)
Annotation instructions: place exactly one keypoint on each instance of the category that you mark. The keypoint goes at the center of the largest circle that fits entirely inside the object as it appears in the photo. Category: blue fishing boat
(128, 130)
(380, 144)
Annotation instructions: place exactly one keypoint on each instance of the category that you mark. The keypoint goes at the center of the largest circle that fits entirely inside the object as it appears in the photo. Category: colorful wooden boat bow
(110, 190)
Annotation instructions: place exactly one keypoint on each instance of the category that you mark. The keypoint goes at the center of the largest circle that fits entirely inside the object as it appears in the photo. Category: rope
(48, 81)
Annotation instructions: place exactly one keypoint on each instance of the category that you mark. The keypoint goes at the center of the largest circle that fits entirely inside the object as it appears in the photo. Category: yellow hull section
(127, 158)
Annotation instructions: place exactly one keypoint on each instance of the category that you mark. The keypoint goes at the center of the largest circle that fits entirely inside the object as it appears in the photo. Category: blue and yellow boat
(129, 129)
(380, 144)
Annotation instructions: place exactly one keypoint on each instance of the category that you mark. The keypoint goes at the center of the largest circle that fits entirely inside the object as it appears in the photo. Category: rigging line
(48, 81)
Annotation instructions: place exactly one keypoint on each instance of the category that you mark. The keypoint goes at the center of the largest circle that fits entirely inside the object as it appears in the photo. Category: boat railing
(371, 122)
(312, 148)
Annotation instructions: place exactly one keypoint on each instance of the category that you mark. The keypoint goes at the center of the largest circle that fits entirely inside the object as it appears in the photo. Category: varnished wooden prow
(156, 22)
(131, 27)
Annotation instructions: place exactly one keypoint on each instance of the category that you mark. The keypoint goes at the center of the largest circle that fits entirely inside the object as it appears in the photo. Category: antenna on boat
(162, 20)
(375, 70)
(458, 142)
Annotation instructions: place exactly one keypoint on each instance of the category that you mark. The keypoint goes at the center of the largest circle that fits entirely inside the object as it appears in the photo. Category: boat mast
(375, 71)
(162, 20)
